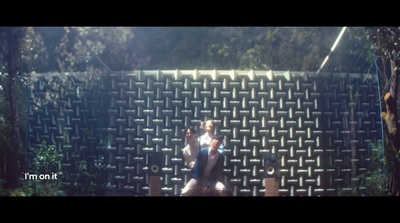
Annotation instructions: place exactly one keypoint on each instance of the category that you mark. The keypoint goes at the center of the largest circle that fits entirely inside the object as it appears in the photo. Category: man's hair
(217, 137)
(210, 120)
(192, 129)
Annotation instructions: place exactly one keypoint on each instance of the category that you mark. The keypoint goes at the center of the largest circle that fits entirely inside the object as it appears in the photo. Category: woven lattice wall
(320, 127)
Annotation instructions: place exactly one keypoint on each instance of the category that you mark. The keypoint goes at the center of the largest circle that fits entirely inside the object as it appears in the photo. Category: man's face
(215, 143)
(209, 126)
(189, 135)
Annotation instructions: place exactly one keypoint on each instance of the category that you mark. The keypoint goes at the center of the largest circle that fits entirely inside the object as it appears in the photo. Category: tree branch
(394, 77)
(83, 40)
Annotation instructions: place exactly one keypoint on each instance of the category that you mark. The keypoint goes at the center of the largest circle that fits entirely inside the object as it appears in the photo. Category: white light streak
(332, 49)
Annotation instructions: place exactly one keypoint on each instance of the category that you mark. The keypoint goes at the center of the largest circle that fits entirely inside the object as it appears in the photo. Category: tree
(12, 165)
(23, 52)
(387, 48)
(15, 56)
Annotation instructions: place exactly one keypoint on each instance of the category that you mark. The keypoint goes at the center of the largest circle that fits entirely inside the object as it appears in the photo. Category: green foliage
(95, 49)
(353, 54)
(37, 188)
(86, 181)
(277, 48)
(387, 50)
(58, 85)
(46, 159)
(370, 183)
(386, 41)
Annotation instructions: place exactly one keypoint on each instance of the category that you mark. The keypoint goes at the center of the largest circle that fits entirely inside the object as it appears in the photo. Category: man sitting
(208, 171)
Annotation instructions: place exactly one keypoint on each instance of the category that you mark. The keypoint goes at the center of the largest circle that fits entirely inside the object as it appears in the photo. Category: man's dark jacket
(216, 173)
